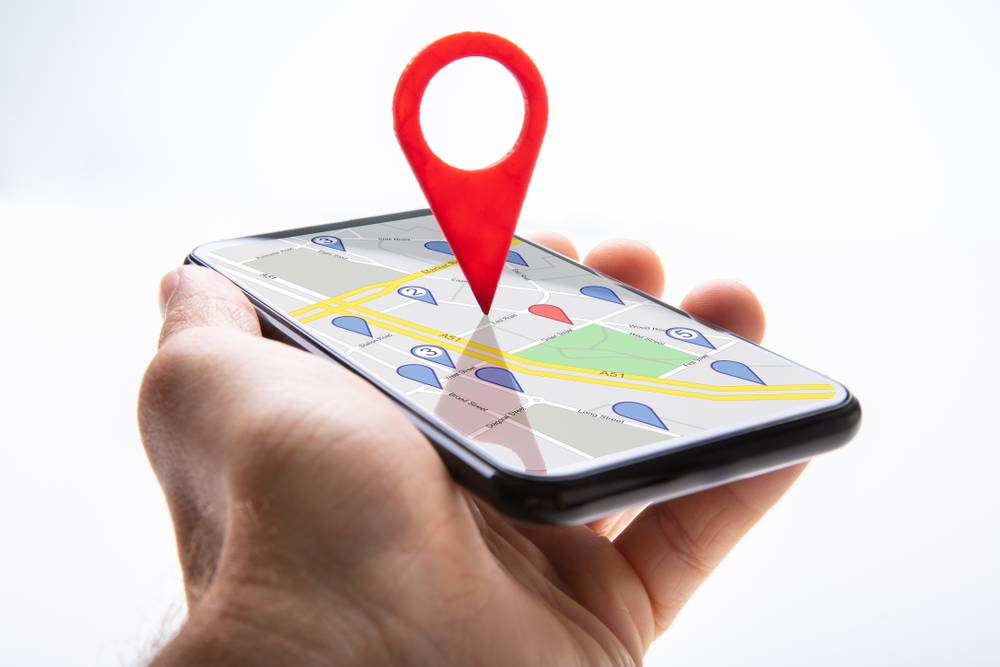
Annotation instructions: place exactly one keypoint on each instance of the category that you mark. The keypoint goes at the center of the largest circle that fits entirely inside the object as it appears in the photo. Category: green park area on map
(601, 349)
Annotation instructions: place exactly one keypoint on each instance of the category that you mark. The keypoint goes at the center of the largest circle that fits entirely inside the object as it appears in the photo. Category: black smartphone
(576, 397)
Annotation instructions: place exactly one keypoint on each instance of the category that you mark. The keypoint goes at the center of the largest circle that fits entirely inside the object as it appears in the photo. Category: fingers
(676, 545)
(636, 264)
(598, 578)
(175, 389)
(167, 284)
(632, 262)
(612, 526)
(729, 304)
(557, 242)
(192, 296)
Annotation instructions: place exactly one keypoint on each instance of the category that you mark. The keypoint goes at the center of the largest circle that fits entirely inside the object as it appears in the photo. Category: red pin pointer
(552, 312)
(476, 208)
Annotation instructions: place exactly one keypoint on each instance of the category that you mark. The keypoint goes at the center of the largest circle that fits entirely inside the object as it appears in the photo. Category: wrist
(270, 628)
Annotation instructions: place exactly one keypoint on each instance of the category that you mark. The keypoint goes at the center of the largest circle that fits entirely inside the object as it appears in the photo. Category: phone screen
(570, 372)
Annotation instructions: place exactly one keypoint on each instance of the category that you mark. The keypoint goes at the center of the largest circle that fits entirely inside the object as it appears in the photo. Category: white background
(842, 158)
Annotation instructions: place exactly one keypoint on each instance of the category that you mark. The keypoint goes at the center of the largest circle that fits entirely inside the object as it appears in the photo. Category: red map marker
(552, 312)
(476, 208)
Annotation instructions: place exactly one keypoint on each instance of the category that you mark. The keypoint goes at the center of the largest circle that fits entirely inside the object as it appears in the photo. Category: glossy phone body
(578, 396)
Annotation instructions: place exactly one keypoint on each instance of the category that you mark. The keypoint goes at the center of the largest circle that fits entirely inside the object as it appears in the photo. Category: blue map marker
(735, 369)
(329, 242)
(352, 323)
(443, 247)
(689, 336)
(602, 293)
(438, 355)
(420, 373)
(418, 294)
(439, 246)
(639, 412)
(515, 258)
(499, 376)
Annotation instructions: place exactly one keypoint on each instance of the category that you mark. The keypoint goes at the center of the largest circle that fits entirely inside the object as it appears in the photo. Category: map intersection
(569, 366)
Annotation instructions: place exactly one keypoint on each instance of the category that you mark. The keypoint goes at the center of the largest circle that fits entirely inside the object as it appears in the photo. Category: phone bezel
(581, 496)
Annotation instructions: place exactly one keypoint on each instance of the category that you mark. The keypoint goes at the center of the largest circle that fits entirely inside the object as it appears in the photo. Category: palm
(311, 488)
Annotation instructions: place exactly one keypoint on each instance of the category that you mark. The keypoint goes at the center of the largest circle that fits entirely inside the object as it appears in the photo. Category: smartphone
(577, 396)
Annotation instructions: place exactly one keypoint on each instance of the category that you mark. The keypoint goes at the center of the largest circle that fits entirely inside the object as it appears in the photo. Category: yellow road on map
(339, 305)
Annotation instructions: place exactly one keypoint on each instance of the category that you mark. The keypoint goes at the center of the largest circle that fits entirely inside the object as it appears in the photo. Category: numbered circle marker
(735, 369)
(419, 373)
(418, 294)
(329, 242)
(438, 355)
(689, 336)
(639, 412)
(477, 209)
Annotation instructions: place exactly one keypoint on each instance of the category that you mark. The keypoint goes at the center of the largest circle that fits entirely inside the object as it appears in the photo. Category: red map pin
(476, 208)
(552, 312)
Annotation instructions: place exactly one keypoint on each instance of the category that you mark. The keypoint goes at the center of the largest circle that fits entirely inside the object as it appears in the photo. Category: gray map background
(564, 422)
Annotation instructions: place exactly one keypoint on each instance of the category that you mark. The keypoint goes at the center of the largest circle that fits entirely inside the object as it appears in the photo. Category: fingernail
(742, 281)
(647, 244)
(167, 286)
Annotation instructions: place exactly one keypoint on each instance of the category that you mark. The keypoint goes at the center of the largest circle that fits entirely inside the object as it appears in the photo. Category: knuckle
(197, 309)
(181, 375)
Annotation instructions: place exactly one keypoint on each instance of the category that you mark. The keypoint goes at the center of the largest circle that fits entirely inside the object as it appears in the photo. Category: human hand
(316, 525)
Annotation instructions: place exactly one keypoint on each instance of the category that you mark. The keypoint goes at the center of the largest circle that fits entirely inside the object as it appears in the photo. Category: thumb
(193, 296)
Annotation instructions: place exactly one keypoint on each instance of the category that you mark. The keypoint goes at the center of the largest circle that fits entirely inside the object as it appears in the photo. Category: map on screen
(568, 369)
